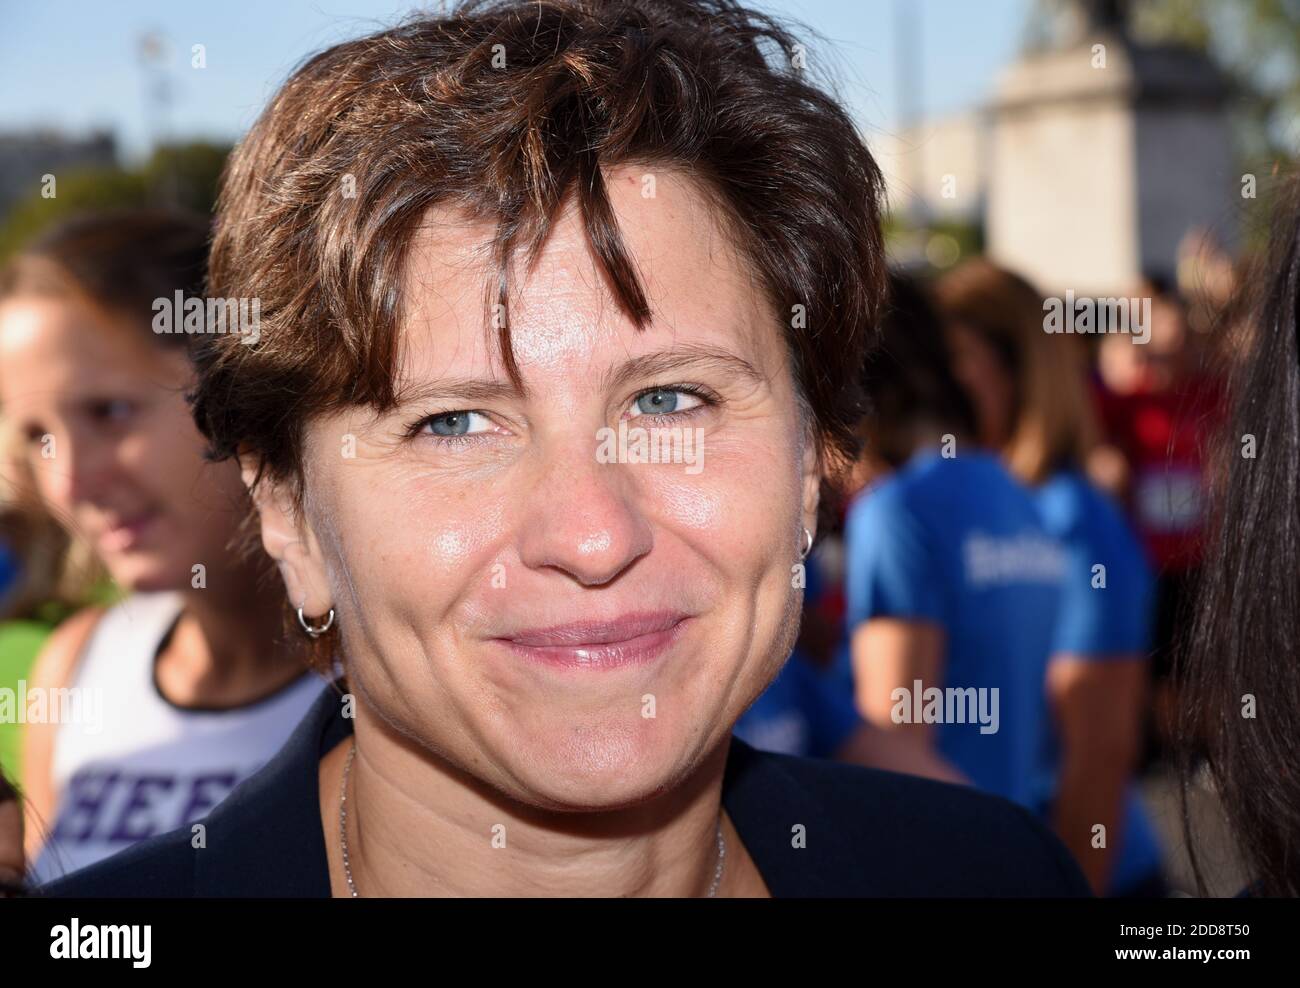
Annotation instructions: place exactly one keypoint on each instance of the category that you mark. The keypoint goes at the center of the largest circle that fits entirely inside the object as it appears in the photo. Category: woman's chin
(590, 769)
(146, 573)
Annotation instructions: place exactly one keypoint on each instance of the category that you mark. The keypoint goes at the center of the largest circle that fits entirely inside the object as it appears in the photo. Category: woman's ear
(811, 474)
(288, 539)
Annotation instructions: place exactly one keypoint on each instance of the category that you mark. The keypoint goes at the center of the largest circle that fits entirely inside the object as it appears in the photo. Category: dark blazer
(866, 833)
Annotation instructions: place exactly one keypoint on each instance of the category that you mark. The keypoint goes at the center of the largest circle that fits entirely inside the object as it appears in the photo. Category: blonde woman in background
(185, 689)
(1030, 393)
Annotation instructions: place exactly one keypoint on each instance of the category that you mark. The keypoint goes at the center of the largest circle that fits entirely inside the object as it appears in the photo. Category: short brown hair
(419, 116)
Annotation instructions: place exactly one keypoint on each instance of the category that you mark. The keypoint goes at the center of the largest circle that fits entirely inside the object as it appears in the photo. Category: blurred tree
(928, 249)
(184, 175)
(187, 174)
(76, 191)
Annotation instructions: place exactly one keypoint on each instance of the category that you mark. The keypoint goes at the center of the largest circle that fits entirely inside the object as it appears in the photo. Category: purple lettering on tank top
(139, 818)
(88, 792)
(126, 807)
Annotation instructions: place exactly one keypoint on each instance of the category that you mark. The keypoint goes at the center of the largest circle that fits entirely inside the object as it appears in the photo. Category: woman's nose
(583, 517)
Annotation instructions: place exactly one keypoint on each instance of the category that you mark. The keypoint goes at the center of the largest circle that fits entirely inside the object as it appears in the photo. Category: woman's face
(986, 381)
(101, 414)
(577, 633)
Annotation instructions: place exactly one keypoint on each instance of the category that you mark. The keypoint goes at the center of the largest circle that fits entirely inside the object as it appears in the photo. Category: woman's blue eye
(111, 410)
(454, 424)
(664, 401)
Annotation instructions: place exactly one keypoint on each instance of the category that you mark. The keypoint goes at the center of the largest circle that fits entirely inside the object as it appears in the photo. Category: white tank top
(128, 764)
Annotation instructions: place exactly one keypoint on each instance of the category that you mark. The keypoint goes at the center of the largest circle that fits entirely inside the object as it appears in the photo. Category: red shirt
(1163, 435)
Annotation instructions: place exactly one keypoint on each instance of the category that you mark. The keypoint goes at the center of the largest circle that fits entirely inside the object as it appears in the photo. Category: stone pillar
(1104, 153)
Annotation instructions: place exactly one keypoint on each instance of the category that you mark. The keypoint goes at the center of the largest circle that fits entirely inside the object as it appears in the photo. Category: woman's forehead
(62, 343)
(563, 315)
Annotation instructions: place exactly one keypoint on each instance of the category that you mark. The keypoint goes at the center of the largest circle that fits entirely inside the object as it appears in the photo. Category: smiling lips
(629, 640)
(126, 534)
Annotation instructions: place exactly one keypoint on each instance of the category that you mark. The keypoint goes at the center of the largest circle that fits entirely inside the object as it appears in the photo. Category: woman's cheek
(152, 454)
(689, 502)
(438, 547)
(201, 501)
(740, 492)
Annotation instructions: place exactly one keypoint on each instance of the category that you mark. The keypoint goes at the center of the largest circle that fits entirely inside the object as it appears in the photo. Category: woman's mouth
(126, 534)
(628, 640)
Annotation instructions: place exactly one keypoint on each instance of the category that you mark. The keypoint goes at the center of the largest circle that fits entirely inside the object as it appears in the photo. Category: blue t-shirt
(959, 543)
(800, 713)
(1099, 622)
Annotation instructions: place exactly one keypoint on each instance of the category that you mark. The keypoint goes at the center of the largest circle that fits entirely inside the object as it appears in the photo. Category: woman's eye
(453, 424)
(664, 401)
(111, 410)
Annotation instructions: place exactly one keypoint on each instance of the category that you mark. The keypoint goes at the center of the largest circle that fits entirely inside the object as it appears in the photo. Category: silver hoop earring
(808, 537)
(316, 630)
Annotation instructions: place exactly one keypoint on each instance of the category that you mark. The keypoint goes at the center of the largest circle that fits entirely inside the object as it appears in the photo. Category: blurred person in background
(1239, 676)
(1208, 279)
(952, 582)
(184, 690)
(1030, 390)
(1158, 405)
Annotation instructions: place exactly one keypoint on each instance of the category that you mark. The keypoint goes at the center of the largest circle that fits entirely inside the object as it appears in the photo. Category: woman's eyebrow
(678, 359)
(649, 364)
(456, 389)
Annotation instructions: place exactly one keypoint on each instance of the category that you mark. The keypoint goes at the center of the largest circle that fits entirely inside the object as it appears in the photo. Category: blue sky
(72, 65)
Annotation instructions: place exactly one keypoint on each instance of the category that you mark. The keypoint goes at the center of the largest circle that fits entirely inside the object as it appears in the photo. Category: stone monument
(1104, 153)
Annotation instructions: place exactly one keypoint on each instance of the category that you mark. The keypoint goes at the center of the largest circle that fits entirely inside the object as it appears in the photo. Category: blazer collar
(265, 838)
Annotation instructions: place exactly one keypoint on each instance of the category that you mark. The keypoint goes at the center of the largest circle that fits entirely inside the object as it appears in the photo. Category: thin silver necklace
(347, 866)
